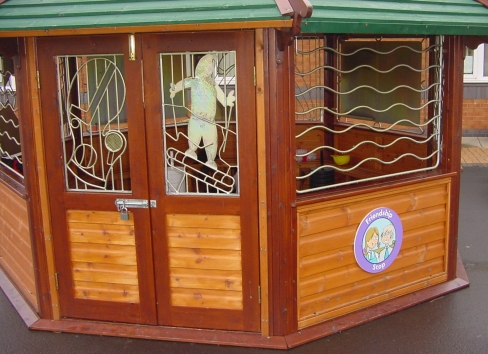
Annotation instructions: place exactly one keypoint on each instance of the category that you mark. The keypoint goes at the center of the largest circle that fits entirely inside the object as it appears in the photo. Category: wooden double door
(150, 143)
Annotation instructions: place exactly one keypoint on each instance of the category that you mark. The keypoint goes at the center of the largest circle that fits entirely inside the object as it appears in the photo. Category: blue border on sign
(378, 240)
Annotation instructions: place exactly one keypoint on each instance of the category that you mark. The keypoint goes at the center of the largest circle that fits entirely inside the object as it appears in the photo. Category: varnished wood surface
(96, 305)
(103, 256)
(452, 133)
(189, 232)
(34, 161)
(281, 182)
(205, 261)
(261, 63)
(331, 283)
(15, 244)
(151, 29)
(247, 339)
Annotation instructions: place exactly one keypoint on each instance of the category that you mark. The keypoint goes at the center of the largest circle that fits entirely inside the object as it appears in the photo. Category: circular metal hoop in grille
(114, 141)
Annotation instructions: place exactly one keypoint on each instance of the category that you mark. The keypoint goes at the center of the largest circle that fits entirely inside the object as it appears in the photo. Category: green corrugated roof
(24, 15)
(457, 17)
(463, 17)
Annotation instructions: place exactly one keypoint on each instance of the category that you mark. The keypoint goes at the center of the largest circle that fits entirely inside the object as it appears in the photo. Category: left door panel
(94, 137)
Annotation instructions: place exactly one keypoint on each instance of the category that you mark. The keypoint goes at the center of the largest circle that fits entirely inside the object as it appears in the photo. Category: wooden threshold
(189, 335)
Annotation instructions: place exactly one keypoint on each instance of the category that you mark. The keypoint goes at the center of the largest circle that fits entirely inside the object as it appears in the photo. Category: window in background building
(476, 64)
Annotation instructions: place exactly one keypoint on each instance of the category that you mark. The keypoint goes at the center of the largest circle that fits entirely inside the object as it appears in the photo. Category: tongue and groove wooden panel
(15, 244)
(332, 284)
(103, 256)
(205, 261)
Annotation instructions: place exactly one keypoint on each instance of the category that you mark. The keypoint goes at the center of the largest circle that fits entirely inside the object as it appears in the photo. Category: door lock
(124, 204)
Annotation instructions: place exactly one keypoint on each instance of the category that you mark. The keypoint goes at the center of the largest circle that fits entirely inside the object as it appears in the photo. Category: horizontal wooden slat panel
(424, 234)
(205, 258)
(321, 262)
(105, 273)
(15, 243)
(112, 254)
(422, 284)
(106, 292)
(351, 212)
(207, 298)
(204, 238)
(331, 283)
(371, 287)
(103, 256)
(14, 225)
(327, 240)
(351, 273)
(21, 275)
(327, 259)
(204, 221)
(343, 237)
(423, 218)
(102, 234)
(206, 279)
(15, 250)
(98, 217)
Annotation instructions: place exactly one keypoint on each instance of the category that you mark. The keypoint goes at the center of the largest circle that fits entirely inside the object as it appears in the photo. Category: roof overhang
(406, 17)
(71, 17)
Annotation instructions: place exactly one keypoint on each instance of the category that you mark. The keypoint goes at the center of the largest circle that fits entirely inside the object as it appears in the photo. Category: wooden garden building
(255, 173)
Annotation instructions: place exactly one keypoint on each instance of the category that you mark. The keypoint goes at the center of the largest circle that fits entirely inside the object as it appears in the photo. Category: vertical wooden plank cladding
(331, 283)
(103, 254)
(36, 188)
(282, 186)
(15, 245)
(452, 133)
(205, 261)
(261, 62)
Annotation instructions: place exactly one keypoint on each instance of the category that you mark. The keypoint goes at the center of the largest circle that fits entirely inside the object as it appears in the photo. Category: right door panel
(199, 98)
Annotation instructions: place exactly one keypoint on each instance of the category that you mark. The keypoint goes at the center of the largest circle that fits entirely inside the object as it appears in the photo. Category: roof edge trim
(204, 26)
(483, 2)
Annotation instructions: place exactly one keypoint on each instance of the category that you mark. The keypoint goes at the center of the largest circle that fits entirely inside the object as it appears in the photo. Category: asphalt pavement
(454, 323)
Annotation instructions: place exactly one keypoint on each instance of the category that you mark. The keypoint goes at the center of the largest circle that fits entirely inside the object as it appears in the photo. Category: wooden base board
(18, 302)
(243, 339)
(380, 310)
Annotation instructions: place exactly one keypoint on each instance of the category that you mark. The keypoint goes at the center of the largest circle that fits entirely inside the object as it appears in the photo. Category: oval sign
(378, 240)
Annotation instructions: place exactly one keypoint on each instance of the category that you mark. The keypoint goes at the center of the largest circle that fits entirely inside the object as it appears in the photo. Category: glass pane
(469, 61)
(200, 122)
(485, 62)
(94, 122)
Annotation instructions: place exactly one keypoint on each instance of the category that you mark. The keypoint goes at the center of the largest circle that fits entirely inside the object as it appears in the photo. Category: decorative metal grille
(383, 86)
(10, 149)
(200, 123)
(94, 124)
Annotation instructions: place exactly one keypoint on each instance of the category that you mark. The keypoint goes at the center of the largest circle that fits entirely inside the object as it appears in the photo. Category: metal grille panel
(10, 149)
(395, 89)
(94, 123)
(200, 123)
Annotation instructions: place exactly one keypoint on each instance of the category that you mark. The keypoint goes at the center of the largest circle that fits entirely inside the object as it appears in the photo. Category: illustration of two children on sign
(377, 247)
